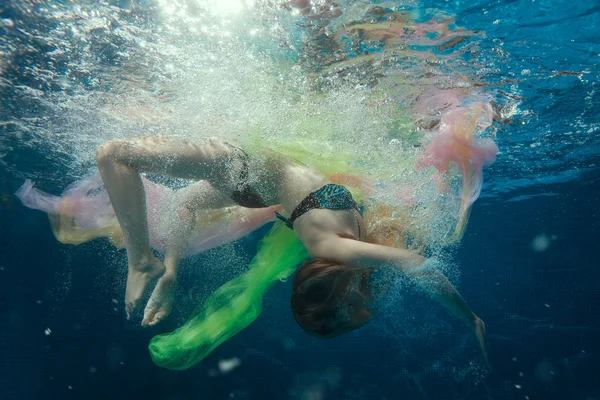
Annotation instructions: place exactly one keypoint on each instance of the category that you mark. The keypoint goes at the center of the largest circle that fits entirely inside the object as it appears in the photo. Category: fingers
(486, 358)
(480, 333)
(484, 350)
(488, 363)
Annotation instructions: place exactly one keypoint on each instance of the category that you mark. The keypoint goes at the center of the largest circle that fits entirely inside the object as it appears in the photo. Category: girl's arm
(423, 271)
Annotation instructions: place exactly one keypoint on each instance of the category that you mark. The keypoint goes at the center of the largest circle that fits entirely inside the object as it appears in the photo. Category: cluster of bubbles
(77, 75)
(74, 75)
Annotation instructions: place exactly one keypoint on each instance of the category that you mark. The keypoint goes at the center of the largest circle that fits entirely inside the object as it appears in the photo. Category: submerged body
(335, 235)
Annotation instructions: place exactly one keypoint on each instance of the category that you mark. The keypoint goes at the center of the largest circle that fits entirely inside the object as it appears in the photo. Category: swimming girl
(330, 292)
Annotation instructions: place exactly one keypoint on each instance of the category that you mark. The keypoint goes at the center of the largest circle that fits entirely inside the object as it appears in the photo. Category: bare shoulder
(313, 236)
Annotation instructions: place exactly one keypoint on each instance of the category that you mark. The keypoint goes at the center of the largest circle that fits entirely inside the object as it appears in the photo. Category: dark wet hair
(322, 302)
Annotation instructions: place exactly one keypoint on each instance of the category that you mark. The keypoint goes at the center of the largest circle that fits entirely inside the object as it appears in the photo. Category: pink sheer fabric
(457, 141)
(83, 212)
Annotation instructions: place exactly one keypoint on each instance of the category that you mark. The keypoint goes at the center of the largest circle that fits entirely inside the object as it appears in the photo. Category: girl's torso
(278, 180)
(298, 182)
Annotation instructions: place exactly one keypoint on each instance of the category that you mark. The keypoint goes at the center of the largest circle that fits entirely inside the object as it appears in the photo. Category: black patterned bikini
(330, 197)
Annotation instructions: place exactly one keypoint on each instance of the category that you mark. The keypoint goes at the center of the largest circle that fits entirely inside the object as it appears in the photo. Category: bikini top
(330, 197)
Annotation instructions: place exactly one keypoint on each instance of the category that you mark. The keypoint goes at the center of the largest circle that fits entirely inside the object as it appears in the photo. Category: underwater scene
(299, 199)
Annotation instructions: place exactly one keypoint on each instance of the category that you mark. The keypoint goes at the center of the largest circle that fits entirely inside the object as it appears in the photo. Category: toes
(150, 321)
(149, 315)
(149, 318)
(156, 320)
(130, 308)
(159, 317)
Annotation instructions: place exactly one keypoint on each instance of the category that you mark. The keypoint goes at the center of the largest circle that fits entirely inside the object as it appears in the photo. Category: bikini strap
(287, 222)
(360, 207)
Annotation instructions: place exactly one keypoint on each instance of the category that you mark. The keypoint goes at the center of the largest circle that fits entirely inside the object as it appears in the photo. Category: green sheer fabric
(233, 306)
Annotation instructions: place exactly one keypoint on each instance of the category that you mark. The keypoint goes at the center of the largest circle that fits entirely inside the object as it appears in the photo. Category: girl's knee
(219, 147)
(108, 151)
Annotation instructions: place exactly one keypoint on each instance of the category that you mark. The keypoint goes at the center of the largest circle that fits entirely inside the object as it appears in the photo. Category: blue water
(526, 262)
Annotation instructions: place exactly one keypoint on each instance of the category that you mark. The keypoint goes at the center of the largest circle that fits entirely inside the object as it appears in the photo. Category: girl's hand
(479, 330)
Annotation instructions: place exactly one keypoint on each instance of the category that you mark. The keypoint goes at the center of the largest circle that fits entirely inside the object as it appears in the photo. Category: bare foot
(138, 279)
(161, 302)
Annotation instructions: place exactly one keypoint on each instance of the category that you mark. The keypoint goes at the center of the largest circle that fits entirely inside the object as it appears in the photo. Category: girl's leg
(120, 163)
(180, 221)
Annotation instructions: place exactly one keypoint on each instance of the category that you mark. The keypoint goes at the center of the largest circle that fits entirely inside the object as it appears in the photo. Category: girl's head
(329, 299)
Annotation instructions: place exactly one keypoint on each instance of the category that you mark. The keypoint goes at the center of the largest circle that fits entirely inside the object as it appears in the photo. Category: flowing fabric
(457, 142)
(83, 212)
(233, 306)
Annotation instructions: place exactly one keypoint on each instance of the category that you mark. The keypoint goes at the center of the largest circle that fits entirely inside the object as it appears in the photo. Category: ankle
(142, 263)
(169, 278)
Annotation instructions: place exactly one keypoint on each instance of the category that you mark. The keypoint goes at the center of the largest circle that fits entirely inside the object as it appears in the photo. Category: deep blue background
(541, 311)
